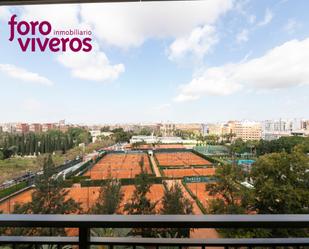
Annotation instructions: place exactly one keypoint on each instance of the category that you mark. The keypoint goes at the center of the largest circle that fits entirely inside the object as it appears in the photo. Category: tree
(239, 146)
(174, 202)
(228, 190)
(79, 135)
(229, 137)
(145, 131)
(212, 139)
(47, 142)
(139, 203)
(49, 197)
(280, 185)
(231, 197)
(109, 199)
(121, 136)
(280, 145)
(281, 182)
(108, 203)
(105, 129)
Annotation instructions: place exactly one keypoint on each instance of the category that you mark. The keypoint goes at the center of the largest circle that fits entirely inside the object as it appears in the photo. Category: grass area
(17, 166)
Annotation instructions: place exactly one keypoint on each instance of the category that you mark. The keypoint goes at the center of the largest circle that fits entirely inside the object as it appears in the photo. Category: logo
(40, 36)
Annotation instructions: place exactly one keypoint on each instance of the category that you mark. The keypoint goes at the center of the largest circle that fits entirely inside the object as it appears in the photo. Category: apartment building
(246, 130)
(194, 128)
(305, 125)
(167, 129)
(217, 129)
(22, 128)
(35, 127)
(47, 127)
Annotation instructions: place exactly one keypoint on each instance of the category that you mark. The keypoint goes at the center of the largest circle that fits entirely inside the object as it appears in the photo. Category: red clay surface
(155, 195)
(119, 166)
(180, 159)
(179, 173)
(199, 190)
(86, 196)
(8, 205)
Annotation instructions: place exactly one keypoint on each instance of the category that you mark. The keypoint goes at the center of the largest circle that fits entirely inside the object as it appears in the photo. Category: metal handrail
(85, 222)
(155, 221)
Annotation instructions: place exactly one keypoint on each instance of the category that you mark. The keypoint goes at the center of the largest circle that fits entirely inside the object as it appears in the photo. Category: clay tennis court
(199, 190)
(155, 195)
(179, 173)
(8, 205)
(86, 196)
(119, 166)
(183, 159)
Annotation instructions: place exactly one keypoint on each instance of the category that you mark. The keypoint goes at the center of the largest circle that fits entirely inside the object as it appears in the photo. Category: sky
(187, 61)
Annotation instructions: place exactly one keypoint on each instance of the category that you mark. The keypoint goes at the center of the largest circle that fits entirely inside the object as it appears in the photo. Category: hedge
(11, 190)
(198, 202)
(210, 159)
(124, 182)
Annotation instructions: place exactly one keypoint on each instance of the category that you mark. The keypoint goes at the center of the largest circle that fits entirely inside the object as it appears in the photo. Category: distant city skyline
(67, 122)
(245, 130)
(180, 62)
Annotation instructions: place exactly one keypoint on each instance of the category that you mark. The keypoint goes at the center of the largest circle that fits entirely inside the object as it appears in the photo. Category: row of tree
(263, 147)
(50, 197)
(279, 184)
(41, 143)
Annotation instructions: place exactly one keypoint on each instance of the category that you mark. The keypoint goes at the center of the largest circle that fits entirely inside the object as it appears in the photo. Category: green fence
(124, 181)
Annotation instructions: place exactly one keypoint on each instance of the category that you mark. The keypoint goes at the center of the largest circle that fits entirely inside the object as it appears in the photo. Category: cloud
(91, 66)
(281, 67)
(129, 24)
(241, 7)
(291, 26)
(186, 97)
(214, 81)
(267, 18)
(4, 13)
(190, 24)
(24, 75)
(197, 43)
(87, 66)
(242, 36)
(61, 16)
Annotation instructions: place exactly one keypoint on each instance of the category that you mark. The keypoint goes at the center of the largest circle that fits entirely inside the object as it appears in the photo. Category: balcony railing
(85, 222)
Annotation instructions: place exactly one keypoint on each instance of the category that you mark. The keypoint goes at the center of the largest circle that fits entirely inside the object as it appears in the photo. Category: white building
(274, 129)
(143, 139)
(162, 140)
(97, 134)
